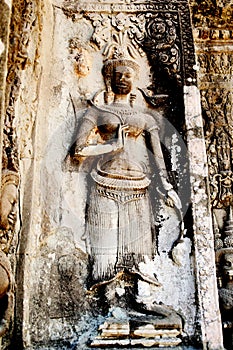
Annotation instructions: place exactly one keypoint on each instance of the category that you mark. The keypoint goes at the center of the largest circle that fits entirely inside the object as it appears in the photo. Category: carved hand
(173, 199)
(122, 135)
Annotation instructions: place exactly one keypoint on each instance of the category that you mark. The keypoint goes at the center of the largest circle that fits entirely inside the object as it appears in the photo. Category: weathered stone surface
(213, 41)
(56, 54)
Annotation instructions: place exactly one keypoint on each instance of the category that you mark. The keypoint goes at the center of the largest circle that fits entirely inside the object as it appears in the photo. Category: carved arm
(172, 197)
(98, 149)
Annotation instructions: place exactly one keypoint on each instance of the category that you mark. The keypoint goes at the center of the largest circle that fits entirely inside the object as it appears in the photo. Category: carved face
(7, 204)
(122, 81)
(228, 264)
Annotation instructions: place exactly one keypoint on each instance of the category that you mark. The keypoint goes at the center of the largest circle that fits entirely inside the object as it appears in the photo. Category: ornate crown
(9, 177)
(119, 53)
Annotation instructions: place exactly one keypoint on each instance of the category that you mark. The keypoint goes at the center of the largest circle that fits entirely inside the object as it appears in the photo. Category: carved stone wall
(56, 83)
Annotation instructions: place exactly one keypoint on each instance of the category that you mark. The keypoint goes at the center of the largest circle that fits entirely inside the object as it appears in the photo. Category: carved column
(210, 322)
(213, 40)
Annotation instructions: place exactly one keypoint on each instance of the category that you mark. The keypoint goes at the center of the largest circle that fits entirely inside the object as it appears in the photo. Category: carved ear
(108, 97)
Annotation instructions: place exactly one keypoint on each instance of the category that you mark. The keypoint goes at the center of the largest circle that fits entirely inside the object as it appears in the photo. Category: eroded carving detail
(153, 28)
(19, 58)
(224, 259)
(9, 189)
(212, 14)
(22, 24)
(82, 58)
(8, 201)
(219, 127)
(219, 63)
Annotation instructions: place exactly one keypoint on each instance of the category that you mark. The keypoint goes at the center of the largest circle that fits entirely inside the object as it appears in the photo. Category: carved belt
(120, 196)
(119, 183)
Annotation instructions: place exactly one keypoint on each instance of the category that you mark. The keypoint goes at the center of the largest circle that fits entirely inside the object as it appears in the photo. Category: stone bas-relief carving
(121, 185)
(117, 185)
(217, 105)
(9, 189)
(119, 222)
(56, 309)
(151, 29)
(125, 149)
(224, 259)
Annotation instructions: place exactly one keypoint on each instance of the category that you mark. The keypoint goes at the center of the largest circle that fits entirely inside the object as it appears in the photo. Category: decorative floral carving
(219, 129)
(213, 22)
(120, 21)
(155, 34)
(101, 24)
(162, 39)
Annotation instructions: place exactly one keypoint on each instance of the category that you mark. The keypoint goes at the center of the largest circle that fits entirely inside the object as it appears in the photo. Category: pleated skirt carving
(119, 230)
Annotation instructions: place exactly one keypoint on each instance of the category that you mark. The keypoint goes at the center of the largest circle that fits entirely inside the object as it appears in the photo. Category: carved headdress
(9, 177)
(118, 53)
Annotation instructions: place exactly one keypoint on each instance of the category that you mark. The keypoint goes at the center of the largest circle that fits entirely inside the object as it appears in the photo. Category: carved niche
(112, 142)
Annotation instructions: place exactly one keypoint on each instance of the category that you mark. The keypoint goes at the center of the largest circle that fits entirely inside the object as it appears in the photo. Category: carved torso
(124, 114)
(107, 119)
